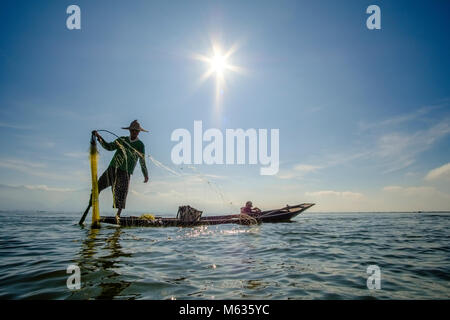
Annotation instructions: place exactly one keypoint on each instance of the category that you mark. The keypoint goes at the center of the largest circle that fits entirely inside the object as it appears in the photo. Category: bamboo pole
(95, 205)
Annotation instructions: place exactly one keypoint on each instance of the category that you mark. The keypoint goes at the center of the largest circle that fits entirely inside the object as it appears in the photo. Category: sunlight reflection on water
(319, 256)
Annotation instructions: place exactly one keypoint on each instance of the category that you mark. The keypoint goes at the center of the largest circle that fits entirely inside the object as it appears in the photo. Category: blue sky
(363, 114)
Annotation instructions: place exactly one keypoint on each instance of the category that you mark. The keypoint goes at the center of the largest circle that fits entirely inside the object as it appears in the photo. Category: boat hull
(269, 216)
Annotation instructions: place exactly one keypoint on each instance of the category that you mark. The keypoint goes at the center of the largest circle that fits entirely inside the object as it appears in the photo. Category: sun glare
(219, 65)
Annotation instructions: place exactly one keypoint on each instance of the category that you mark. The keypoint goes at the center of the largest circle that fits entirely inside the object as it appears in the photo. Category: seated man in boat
(248, 208)
(117, 175)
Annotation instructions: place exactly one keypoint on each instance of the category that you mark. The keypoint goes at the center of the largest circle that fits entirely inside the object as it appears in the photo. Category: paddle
(85, 214)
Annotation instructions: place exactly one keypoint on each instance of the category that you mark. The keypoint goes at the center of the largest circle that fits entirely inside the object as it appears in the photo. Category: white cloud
(399, 150)
(77, 155)
(336, 201)
(390, 151)
(395, 150)
(416, 192)
(386, 151)
(42, 171)
(442, 172)
(399, 119)
(415, 198)
(298, 171)
(30, 168)
(19, 164)
(342, 194)
(43, 187)
(392, 188)
(14, 126)
(306, 168)
(41, 197)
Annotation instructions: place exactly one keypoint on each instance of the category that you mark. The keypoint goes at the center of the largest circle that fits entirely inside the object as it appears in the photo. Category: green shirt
(127, 154)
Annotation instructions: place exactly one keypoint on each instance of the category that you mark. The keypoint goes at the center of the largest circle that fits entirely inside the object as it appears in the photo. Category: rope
(160, 165)
(139, 153)
(246, 219)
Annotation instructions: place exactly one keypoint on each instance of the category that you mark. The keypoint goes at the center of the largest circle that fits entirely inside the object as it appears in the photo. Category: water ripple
(319, 256)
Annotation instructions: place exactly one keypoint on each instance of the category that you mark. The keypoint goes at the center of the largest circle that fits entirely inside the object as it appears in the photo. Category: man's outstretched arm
(143, 165)
(144, 169)
(110, 146)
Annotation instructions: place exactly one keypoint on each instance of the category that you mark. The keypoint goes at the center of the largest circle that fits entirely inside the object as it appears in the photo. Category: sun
(220, 66)
(219, 63)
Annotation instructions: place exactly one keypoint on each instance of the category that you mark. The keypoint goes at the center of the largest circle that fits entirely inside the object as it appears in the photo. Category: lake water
(318, 256)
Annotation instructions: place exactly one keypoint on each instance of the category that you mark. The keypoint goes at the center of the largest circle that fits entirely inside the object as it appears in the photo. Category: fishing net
(147, 216)
(187, 214)
(246, 219)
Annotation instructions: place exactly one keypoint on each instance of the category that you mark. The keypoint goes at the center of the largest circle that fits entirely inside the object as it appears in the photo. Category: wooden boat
(278, 215)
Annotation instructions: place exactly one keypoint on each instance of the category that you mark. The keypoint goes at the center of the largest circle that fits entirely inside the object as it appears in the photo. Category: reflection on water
(101, 257)
(319, 256)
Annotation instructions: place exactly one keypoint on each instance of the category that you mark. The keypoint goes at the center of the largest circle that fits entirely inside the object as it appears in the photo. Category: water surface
(318, 256)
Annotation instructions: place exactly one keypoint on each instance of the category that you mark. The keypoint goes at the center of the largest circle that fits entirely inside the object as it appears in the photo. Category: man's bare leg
(119, 211)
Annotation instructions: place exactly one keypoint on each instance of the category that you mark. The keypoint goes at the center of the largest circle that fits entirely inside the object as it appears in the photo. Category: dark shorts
(119, 181)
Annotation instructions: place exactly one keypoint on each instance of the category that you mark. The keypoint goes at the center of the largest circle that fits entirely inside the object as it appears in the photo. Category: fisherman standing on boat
(248, 208)
(118, 174)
